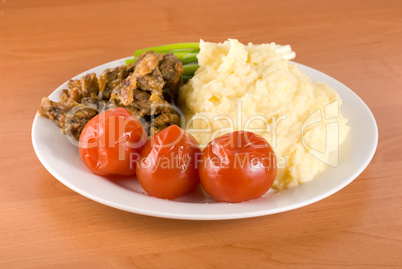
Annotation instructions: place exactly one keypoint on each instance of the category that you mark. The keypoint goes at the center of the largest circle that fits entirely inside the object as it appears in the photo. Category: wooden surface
(44, 224)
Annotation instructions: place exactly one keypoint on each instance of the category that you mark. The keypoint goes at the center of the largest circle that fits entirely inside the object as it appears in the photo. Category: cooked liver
(148, 88)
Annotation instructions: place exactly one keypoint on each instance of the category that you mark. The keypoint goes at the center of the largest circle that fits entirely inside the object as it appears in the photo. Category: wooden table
(46, 225)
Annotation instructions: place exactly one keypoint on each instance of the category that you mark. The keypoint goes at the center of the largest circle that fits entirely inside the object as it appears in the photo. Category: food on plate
(252, 87)
(187, 54)
(260, 120)
(167, 167)
(237, 167)
(148, 88)
(111, 142)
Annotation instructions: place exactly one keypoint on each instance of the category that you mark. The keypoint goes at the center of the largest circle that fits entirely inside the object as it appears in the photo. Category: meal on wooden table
(237, 119)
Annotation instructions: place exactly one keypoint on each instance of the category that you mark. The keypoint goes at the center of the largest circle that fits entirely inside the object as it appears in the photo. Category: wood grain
(45, 225)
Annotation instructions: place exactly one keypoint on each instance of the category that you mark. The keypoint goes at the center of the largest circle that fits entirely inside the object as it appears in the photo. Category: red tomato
(111, 142)
(237, 167)
(167, 165)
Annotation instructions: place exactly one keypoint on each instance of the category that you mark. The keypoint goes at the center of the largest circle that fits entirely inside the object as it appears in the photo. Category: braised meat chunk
(69, 115)
(148, 88)
(110, 78)
(124, 92)
(148, 74)
(171, 69)
(163, 121)
(87, 86)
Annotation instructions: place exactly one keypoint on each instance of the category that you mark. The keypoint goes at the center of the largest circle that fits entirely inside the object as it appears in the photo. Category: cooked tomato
(167, 165)
(111, 142)
(237, 167)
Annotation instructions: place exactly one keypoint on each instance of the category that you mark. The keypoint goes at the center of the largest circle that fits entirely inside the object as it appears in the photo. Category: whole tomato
(111, 142)
(237, 167)
(167, 165)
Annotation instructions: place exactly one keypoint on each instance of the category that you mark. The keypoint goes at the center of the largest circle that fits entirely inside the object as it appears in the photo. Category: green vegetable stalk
(185, 52)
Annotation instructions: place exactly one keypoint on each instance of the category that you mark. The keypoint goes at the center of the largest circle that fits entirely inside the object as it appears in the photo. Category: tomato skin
(111, 142)
(237, 167)
(159, 171)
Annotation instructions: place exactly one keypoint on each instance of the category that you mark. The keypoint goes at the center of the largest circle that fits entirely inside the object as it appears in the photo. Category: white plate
(62, 160)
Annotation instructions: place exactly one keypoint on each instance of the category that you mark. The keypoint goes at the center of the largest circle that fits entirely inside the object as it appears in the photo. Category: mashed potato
(251, 87)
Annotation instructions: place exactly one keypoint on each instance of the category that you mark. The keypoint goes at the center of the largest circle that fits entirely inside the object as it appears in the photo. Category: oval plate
(61, 158)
